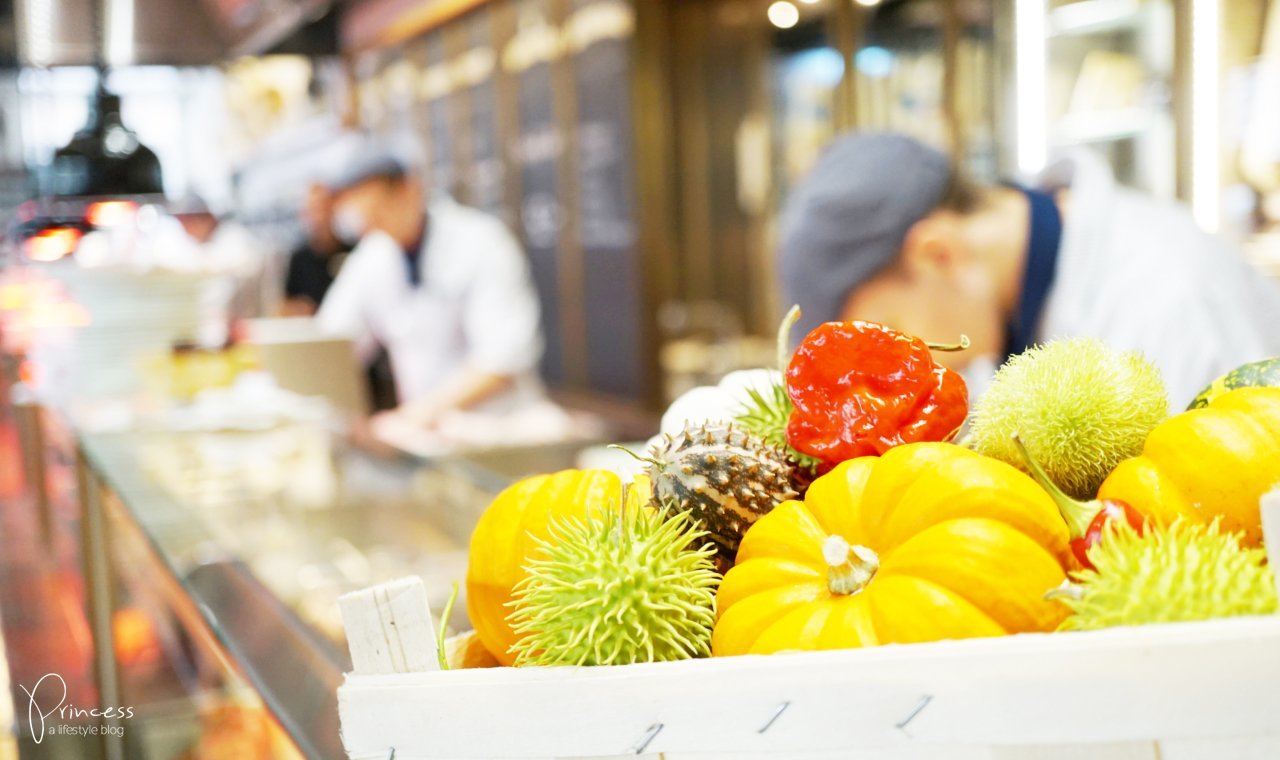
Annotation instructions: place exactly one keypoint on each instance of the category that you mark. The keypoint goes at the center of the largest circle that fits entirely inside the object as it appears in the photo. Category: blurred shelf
(1094, 17)
(1103, 126)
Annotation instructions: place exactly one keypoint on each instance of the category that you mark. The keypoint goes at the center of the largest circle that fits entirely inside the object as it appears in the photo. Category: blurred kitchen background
(641, 149)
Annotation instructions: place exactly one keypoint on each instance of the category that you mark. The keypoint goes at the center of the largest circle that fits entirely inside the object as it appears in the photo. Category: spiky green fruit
(1080, 407)
(766, 415)
(1181, 573)
(622, 589)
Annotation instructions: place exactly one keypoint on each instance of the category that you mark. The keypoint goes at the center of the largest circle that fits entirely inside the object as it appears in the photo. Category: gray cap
(368, 162)
(847, 219)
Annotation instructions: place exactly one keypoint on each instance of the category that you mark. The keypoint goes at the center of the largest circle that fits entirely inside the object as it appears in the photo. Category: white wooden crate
(1192, 691)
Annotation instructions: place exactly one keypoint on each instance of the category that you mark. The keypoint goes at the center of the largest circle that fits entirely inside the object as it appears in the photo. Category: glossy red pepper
(1109, 511)
(1087, 521)
(860, 388)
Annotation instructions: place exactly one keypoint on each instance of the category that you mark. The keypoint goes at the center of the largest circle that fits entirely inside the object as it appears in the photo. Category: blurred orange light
(135, 637)
(52, 244)
(111, 213)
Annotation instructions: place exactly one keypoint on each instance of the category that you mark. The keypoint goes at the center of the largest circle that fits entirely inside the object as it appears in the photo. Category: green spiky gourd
(1182, 573)
(724, 477)
(1263, 374)
(1080, 408)
(619, 590)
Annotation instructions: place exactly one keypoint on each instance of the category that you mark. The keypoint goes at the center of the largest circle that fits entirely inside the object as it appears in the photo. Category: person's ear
(414, 189)
(932, 247)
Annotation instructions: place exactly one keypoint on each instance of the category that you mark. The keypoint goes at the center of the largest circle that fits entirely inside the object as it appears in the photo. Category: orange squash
(508, 533)
(930, 541)
(1214, 461)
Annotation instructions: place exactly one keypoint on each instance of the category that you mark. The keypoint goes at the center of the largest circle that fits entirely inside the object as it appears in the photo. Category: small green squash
(1259, 374)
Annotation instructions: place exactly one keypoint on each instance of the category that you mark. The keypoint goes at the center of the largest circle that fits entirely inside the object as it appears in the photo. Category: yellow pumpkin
(1215, 461)
(508, 533)
(930, 541)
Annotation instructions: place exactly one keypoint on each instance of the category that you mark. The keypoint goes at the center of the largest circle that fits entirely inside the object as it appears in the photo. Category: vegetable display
(860, 388)
(928, 542)
(509, 532)
(825, 507)
(618, 589)
(1079, 407)
(1208, 463)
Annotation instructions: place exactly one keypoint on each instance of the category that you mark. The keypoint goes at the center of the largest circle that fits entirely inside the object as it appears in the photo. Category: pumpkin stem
(849, 568)
(960, 346)
(784, 337)
(1078, 514)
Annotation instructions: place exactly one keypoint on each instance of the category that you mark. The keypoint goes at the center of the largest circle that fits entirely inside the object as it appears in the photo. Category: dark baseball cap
(847, 219)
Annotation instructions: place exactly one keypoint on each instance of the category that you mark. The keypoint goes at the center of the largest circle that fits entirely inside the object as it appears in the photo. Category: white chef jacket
(1141, 276)
(475, 305)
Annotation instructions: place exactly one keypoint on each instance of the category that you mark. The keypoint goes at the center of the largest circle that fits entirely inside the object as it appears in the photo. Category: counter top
(264, 530)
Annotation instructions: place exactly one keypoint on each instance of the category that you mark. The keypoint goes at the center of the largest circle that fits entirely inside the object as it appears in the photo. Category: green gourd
(1260, 374)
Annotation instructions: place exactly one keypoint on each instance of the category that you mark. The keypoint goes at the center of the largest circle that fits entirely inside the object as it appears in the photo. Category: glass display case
(215, 561)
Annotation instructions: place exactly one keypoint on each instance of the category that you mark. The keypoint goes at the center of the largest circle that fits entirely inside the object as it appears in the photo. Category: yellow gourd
(1215, 461)
(930, 541)
(508, 533)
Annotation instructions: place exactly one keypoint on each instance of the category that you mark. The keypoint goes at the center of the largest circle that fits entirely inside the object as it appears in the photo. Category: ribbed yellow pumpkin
(928, 542)
(1214, 461)
(508, 533)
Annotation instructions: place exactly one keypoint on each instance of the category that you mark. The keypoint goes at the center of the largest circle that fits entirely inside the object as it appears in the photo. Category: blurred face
(386, 205)
(199, 226)
(355, 210)
(317, 210)
(939, 289)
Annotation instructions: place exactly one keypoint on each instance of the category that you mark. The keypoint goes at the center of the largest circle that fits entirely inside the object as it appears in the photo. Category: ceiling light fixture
(784, 14)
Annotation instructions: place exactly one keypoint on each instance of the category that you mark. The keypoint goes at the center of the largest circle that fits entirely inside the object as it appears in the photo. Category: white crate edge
(389, 628)
(1196, 689)
(1185, 681)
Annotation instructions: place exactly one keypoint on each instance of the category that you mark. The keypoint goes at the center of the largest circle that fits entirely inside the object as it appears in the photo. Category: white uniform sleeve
(344, 311)
(1211, 322)
(501, 317)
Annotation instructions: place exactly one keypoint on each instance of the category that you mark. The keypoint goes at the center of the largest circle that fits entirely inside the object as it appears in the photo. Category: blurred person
(215, 244)
(314, 264)
(444, 288)
(885, 228)
(215, 241)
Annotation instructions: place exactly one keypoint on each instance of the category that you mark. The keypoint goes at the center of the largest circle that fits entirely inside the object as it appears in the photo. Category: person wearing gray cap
(444, 288)
(885, 228)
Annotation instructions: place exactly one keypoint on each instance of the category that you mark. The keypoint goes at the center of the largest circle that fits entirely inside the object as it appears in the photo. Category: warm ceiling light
(867, 3)
(111, 213)
(810, 2)
(784, 14)
(52, 244)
